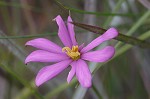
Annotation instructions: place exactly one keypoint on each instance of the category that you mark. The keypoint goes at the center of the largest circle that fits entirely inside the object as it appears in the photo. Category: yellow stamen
(73, 53)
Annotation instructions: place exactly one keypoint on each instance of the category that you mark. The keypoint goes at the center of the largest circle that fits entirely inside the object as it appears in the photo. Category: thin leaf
(27, 36)
(94, 13)
(120, 37)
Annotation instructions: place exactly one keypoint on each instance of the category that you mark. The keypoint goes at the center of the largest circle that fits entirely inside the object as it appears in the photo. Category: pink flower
(71, 54)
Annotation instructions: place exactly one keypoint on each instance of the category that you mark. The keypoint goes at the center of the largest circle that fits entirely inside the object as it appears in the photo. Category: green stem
(94, 13)
(120, 37)
(32, 36)
(135, 26)
(96, 91)
(126, 47)
(138, 23)
(117, 7)
(28, 36)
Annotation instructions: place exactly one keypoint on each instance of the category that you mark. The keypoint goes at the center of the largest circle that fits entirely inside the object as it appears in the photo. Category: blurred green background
(126, 76)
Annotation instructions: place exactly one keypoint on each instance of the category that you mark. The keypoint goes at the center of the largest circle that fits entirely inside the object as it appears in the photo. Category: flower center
(73, 53)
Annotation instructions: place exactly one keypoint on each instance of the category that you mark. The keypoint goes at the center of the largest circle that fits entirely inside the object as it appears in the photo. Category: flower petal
(72, 72)
(71, 31)
(63, 32)
(45, 44)
(109, 34)
(83, 73)
(48, 72)
(45, 56)
(100, 55)
(81, 47)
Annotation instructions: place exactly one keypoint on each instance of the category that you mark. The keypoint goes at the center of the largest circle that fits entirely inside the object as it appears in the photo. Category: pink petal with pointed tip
(45, 44)
(72, 71)
(109, 34)
(48, 72)
(71, 31)
(83, 73)
(100, 55)
(45, 56)
(63, 32)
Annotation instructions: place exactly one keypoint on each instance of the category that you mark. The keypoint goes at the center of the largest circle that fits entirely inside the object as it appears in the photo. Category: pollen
(73, 53)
